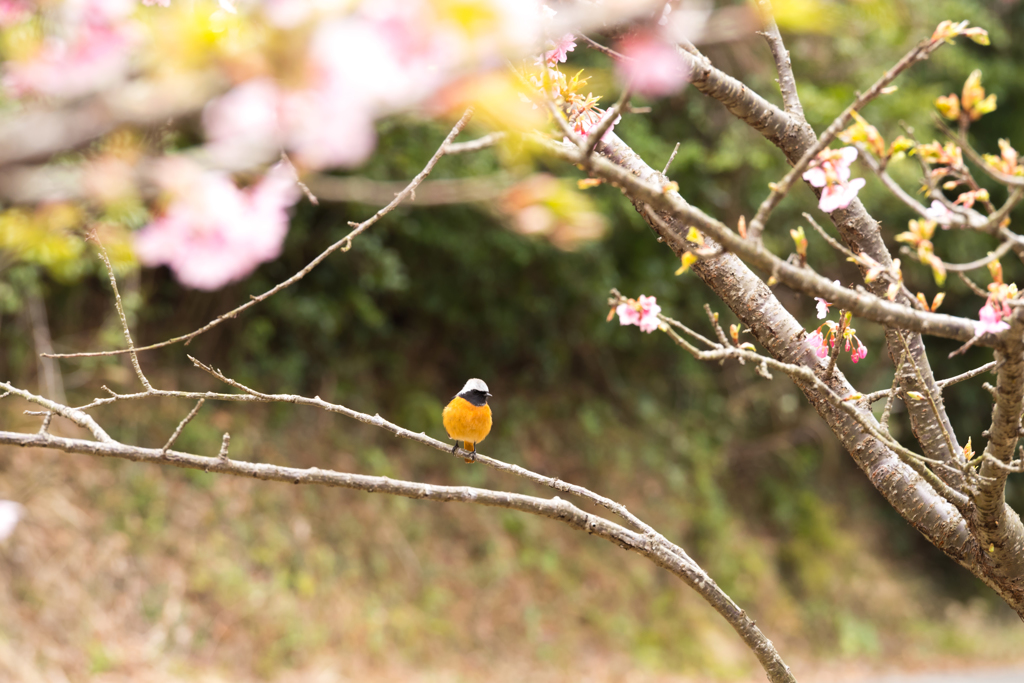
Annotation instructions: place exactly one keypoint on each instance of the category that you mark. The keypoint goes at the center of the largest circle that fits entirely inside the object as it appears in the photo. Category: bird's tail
(470, 446)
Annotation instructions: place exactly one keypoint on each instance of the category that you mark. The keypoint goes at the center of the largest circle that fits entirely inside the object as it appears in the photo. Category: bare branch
(39, 132)
(742, 102)
(942, 383)
(484, 142)
(890, 395)
(649, 545)
(594, 45)
(932, 402)
(1000, 252)
(79, 417)
(787, 83)
(861, 304)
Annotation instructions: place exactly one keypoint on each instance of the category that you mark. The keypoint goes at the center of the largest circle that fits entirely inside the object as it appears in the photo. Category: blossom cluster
(647, 63)
(992, 314)
(834, 334)
(829, 334)
(830, 171)
(642, 312)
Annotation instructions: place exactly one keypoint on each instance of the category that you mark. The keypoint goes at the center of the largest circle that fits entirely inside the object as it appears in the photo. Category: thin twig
(422, 438)
(890, 184)
(972, 154)
(836, 337)
(671, 158)
(607, 121)
(970, 284)
(594, 45)
(77, 416)
(942, 383)
(891, 394)
(181, 425)
(484, 142)
(787, 83)
(832, 242)
(930, 395)
(1000, 251)
(120, 313)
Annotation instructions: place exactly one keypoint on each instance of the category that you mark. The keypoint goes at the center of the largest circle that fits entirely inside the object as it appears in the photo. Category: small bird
(467, 417)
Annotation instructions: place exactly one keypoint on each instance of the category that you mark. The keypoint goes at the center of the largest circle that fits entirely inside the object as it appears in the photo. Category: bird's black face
(475, 396)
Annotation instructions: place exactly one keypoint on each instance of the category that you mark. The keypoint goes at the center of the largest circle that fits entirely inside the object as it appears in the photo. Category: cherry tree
(284, 91)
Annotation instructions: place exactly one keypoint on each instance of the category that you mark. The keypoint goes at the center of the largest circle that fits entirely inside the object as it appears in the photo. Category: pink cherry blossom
(562, 48)
(651, 66)
(859, 353)
(649, 320)
(831, 172)
(839, 195)
(817, 342)
(990, 321)
(822, 305)
(213, 233)
(628, 315)
(642, 313)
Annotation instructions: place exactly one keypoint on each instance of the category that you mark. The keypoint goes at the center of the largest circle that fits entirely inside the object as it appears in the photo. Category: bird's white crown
(475, 385)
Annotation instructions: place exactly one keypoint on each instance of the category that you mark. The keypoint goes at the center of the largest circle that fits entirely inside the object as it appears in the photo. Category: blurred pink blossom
(357, 70)
(244, 123)
(831, 172)
(938, 212)
(10, 514)
(990, 320)
(213, 233)
(562, 48)
(94, 57)
(14, 12)
(651, 66)
(642, 313)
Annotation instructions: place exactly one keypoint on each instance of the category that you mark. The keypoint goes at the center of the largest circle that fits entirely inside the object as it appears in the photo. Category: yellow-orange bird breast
(466, 422)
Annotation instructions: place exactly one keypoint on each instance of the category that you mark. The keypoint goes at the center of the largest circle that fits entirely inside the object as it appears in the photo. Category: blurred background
(122, 571)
